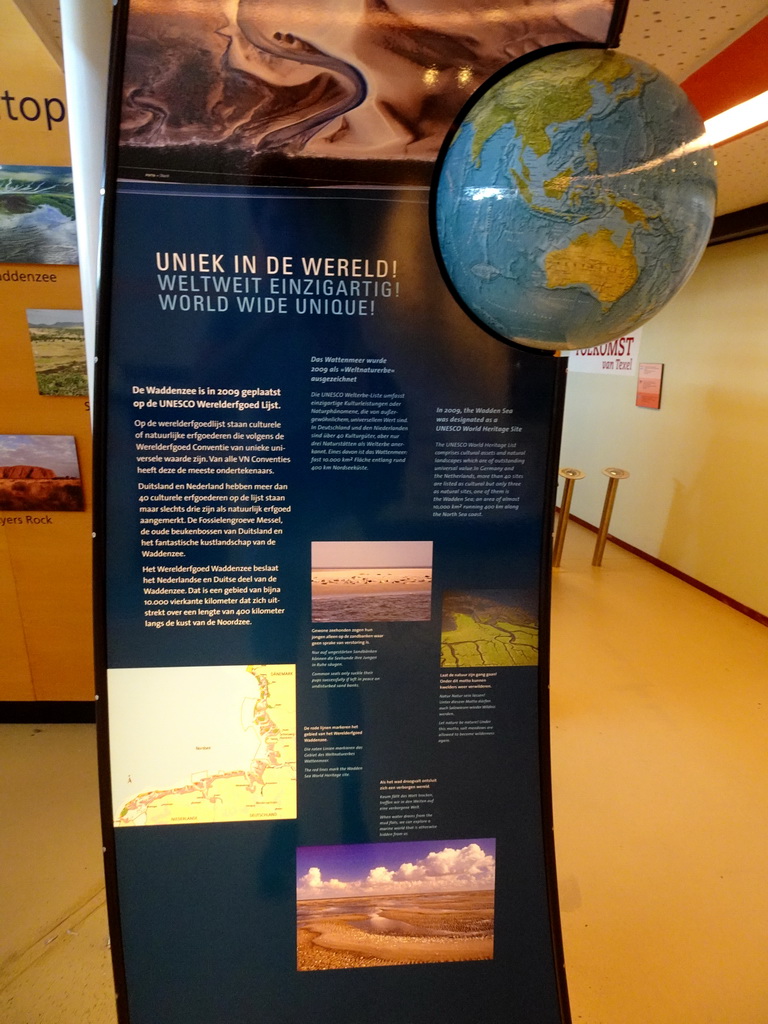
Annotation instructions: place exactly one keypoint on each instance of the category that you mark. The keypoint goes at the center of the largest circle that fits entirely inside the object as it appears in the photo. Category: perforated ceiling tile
(740, 172)
(678, 36)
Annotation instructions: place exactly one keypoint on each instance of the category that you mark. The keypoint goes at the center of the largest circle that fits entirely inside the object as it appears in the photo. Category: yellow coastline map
(203, 744)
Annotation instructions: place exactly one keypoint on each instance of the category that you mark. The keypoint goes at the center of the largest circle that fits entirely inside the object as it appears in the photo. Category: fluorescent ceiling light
(739, 119)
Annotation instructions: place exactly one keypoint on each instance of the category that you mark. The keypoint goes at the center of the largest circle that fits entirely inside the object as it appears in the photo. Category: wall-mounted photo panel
(57, 337)
(39, 473)
(37, 215)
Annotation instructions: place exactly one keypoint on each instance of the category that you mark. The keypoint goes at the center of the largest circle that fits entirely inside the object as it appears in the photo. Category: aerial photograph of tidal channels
(384, 904)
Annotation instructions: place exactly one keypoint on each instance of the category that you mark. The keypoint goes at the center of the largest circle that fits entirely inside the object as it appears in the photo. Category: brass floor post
(614, 475)
(570, 476)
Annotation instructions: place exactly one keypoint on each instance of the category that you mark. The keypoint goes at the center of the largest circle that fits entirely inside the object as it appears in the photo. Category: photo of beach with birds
(382, 904)
(371, 581)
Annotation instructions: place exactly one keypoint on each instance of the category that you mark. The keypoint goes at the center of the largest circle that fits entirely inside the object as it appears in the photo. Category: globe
(575, 198)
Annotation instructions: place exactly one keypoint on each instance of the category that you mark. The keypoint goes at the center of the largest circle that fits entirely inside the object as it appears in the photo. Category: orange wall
(45, 566)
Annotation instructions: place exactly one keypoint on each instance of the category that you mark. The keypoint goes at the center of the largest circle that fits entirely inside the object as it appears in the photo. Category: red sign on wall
(649, 380)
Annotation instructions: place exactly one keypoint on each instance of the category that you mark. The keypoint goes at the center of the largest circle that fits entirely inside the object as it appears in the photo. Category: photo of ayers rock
(382, 904)
(40, 473)
(490, 628)
(215, 89)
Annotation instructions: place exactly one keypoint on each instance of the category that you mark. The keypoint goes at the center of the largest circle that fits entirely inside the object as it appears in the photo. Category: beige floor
(660, 768)
(54, 957)
(660, 781)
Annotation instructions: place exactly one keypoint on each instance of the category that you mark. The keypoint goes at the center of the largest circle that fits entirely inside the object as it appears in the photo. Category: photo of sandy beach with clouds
(371, 581)
(382, 904)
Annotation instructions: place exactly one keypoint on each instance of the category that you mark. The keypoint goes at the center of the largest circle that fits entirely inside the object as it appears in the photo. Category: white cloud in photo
(450, 869)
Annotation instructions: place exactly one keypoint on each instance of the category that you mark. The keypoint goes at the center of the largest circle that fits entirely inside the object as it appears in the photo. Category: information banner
(618, 358)
(324, 544)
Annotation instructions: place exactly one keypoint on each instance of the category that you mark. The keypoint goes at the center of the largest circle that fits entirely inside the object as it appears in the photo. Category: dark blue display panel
(382, 463)
(323, 553)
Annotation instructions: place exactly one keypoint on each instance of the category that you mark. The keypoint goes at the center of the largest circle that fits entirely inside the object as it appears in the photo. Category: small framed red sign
(649, 378)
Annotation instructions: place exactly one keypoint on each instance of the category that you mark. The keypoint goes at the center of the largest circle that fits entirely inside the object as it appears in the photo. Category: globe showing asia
(575, 199)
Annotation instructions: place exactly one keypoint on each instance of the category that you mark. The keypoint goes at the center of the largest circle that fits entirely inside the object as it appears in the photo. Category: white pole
(86, 31)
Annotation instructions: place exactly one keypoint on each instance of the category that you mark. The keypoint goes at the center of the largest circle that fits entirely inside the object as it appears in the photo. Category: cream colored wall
(697, 497)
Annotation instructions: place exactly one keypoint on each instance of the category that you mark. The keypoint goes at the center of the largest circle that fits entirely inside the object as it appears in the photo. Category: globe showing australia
(575, 199)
